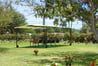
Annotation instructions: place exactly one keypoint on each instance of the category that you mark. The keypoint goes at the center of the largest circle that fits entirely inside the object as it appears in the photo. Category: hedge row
(80, 37)
(12, 36)
(51, 36)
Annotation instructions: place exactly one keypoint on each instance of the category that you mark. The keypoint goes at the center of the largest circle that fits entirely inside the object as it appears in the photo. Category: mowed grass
(24, 55)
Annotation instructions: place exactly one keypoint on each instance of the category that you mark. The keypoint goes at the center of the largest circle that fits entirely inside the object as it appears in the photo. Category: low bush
(80, 37)
(13, 36)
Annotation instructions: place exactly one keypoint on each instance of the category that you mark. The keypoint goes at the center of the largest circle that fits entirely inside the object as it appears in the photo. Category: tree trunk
(93, 20)
(93, 26)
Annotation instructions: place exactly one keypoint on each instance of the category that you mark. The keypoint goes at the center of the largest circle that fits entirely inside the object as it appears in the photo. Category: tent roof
(39, 27)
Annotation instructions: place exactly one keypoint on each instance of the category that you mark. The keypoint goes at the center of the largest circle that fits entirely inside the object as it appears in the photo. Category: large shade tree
(5, 15)
(17, 20)
(84, 10)
(9, 18)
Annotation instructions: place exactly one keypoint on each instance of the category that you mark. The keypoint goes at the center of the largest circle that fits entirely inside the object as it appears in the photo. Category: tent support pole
(17, 46)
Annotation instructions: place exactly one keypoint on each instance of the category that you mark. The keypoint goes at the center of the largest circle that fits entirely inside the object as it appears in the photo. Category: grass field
(24, 56)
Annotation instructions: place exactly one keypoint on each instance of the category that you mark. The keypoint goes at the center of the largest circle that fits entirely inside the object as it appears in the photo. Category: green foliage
(50, 30)
(52, 37)
(22, 36)
(6, 17)
(57, 10)
(9, 17)
(59, 36)
(80, 37)
(58, 30)
(66, 36)
(55, 37)
(96, 60)
(38, 30)
(70, 10)
(35, 36)
(97, 25)
(13, 36)
(85, 29)
(18, 20)
(56, 21)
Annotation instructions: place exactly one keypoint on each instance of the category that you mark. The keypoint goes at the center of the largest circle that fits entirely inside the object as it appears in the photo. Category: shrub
(80, 37)
(66, 36)
(35, 36)
(13, 36)
(51, 37)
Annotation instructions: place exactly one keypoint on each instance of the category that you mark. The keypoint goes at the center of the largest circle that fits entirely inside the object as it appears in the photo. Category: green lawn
(24, 56)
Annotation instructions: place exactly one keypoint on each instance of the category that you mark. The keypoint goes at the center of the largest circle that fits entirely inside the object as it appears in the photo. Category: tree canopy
(84, 10)
(9, 18)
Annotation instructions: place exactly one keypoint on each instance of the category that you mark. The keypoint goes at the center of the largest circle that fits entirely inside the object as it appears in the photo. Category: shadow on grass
(86, 59)
(83, 59)
(3, 50)
(43, 46)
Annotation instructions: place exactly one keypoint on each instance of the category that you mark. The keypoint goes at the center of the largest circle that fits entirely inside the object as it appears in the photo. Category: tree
(6, 16)
(84, 10)
(18, 20)
(10, 18)
(50, 30)
(85, 29)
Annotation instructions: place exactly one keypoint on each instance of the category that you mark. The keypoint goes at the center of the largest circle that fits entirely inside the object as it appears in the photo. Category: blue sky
(31, 19)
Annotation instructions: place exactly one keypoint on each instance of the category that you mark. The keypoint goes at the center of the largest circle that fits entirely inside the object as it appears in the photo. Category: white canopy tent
(38, 27)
